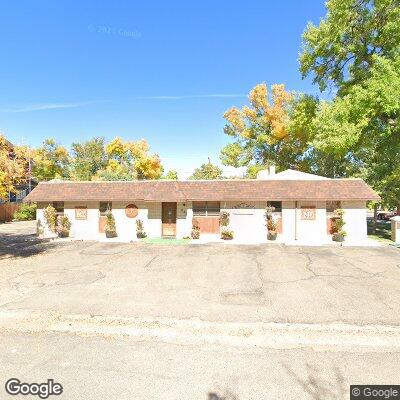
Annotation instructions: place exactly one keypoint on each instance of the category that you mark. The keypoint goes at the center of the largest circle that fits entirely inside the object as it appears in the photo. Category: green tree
(50, 161)
(364, 125)
(207, 172)
(87, 158)
(172, 175)
(341, 50)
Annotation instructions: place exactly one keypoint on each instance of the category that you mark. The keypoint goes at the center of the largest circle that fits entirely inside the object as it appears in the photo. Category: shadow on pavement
(23, 245)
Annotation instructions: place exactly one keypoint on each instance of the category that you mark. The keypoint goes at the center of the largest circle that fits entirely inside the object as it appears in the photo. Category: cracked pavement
(215, 282)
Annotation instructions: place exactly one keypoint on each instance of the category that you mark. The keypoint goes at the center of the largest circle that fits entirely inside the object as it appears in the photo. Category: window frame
(207, 210)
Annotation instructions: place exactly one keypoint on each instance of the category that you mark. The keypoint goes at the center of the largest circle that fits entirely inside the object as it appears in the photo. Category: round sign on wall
(131, 211)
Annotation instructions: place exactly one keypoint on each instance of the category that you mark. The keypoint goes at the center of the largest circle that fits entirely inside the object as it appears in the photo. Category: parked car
(385, 215)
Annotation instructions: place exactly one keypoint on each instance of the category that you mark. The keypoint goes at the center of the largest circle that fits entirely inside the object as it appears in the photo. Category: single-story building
(303, 204)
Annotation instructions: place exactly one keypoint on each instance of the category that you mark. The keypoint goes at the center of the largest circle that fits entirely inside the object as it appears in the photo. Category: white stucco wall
(246, 220)
(313, 231)
(355, 218)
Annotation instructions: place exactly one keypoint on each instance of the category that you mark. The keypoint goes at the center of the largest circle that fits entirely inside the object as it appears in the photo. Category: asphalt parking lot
(214, 282)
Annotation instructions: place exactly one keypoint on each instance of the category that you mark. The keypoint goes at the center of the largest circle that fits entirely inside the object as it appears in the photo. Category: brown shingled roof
(162, 190)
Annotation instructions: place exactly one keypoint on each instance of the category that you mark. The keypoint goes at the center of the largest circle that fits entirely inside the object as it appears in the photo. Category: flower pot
(110, 234)
(63, 234)
(141, 235)
(338, 237)
(227, 237)
(272, 235)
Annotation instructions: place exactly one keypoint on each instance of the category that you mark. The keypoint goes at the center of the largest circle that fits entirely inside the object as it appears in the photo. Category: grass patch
(383, 231)
(166, 241)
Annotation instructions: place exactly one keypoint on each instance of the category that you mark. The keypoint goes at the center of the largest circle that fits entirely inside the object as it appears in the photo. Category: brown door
(169, 219)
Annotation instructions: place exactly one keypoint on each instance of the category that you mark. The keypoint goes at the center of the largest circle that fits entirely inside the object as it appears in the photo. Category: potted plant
(110, 228)
(140, 233)
(226, 234)
(271, 226)
(195, 232)
(224, 219)
(271, 223)
(338, 233)
(50, 217)
(63, 226)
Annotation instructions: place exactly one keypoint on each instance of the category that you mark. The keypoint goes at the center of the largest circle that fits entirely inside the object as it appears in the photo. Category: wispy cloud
(194, 96)
(48, 106)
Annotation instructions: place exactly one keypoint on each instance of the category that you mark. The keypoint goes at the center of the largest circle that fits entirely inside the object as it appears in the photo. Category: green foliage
(51, 161)
(207, 171)
(224, 218)
(172, 175)
(50, 217)
(26, 212)
(63, 226)
(88, 158)
(226, 234)
(140, 233)
(110, 227)
(341, 49)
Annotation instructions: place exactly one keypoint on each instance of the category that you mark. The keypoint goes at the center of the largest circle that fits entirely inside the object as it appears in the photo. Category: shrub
(50, 216)
(26, 212)
(140, 233)
(224, 218)
(338, 233)
(195, 233)
(63, 226)
(226, 234)
(271, 224)
(110, 229)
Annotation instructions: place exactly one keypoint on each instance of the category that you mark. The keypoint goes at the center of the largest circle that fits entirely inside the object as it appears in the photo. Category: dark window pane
(213, 208)
(104, 207)
(199, 208)
(59, 206)
(277, 205)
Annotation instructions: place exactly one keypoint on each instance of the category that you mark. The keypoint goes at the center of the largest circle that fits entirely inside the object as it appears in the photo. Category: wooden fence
(7, 211)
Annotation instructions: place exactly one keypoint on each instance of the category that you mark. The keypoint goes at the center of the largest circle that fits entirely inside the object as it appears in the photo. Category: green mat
(166, 241)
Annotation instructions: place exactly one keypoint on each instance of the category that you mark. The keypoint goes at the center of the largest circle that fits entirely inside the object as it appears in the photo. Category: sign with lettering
(308, 213)
(131, 211)
(81, 212)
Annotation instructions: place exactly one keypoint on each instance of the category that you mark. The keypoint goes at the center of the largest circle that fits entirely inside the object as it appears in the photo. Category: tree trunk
(398, 209)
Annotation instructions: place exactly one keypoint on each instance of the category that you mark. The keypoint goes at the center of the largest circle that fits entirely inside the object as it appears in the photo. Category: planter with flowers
(270, 223)
(195, 233)
(110, 228)
(224, 219)
(63, 226)
(338, 233)
(140, 233)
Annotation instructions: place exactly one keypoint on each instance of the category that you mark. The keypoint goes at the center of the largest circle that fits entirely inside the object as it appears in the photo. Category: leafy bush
(195, 233)
(140, 233)
(338, 233)
(271, 224)
(26, 212)
(110, 228)
(224, 218)
(63, 226)
(226, 234)
(50, 216)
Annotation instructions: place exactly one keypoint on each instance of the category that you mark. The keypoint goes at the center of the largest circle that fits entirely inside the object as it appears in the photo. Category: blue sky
(163, 71)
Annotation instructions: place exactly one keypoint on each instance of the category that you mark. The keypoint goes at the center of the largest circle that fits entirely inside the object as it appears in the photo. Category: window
(331, 206)
(59, 206)
(104, 207)
(206, 208)
(277, 205)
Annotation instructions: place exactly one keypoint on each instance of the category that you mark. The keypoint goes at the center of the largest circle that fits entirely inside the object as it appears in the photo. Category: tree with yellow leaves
(263, 131)
(14, 166)
(130, 160)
